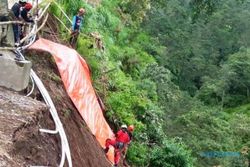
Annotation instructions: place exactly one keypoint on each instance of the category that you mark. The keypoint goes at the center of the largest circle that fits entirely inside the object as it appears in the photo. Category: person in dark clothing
(76, 26)
(17, 6)
(16, 11)
(20, 11)
(24, 13)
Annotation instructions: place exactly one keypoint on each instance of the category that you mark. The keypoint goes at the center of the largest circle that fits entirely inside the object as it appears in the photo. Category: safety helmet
(28, 6)
(23, 1)
(81, 10)
(124, 127)
(131, 128)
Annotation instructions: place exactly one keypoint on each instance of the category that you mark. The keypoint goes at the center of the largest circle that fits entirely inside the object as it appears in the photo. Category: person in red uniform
(120, 143)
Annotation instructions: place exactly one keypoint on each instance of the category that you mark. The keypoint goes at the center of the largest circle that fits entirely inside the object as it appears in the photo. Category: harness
(119, 145)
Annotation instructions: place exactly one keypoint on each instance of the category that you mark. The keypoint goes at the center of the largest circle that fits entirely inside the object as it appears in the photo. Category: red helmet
(131, 128)
(28, 6)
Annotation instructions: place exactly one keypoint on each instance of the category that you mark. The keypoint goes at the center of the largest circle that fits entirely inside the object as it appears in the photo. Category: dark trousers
(17, 32)
(73, 38)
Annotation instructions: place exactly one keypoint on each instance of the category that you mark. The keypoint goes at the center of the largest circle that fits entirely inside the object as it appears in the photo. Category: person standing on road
(20, 11)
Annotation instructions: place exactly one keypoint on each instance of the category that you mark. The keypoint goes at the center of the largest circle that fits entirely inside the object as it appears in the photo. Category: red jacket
(122, 136)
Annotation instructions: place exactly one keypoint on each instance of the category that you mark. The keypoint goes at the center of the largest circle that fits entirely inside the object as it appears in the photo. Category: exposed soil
(21, 143)
(85, 150)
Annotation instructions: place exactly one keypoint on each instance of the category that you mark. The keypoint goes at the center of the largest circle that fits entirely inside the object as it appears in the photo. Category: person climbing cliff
(20, 11)
(120, 143)
(76, 26)
(130, 133)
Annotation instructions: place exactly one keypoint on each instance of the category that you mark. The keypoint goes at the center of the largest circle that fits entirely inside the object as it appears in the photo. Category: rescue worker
(76, 26)
(24, 12)
(16, 7)
(20, 11)
(120, 143)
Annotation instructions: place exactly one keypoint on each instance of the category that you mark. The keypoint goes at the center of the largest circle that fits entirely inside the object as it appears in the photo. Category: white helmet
(124, 127)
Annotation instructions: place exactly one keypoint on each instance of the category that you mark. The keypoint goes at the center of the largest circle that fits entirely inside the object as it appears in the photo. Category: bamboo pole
(30, 34)
(44, 11)
(12, 22)
(7, 48)
(21, 22)
(62, 23)
(63, 12)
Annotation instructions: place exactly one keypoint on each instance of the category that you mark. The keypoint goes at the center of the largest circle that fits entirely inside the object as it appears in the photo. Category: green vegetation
(178, 70)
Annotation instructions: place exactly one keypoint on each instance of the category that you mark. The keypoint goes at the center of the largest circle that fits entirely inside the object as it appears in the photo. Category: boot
(106, 150)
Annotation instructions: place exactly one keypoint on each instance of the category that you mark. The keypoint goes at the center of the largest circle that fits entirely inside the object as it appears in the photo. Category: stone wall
(13, 74)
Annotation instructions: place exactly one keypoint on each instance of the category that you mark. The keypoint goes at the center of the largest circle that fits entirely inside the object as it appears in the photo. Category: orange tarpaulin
(75, 75)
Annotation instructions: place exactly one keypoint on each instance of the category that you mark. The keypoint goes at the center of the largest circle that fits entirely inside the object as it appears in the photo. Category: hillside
(21, 144)
(29, 147)
(179, 71)
(172, 68)
(85, 150)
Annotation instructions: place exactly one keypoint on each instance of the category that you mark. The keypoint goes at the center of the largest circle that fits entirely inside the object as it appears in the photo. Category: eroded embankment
(85, 149)
(21, 143)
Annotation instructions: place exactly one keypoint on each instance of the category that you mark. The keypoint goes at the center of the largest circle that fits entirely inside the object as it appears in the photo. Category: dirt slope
(85, 150)
(21, 144)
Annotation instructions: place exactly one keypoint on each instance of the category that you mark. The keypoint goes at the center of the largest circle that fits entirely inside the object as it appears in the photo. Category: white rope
(32, 35)
(59, 127)
(65, 152)
(33, 87)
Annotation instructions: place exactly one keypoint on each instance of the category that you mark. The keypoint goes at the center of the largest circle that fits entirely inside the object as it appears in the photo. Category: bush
(171, 154)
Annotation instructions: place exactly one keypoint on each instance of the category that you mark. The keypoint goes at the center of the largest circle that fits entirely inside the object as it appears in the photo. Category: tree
(171, 154)
(231, 87)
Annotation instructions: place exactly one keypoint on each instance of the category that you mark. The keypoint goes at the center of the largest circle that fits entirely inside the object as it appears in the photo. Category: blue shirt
(77, 22)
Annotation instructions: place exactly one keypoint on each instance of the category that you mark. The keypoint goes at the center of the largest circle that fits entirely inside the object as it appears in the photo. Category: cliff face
(21, 144)
(85, 150)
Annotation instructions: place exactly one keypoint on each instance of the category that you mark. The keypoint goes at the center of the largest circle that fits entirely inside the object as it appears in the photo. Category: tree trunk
(247, 93)
(222, 100)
